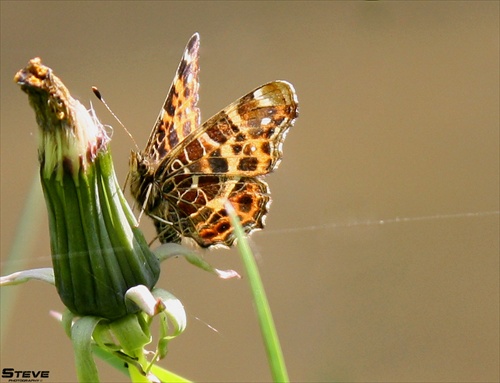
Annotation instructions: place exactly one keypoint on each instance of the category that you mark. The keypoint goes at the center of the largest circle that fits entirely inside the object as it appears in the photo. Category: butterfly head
(141, 174)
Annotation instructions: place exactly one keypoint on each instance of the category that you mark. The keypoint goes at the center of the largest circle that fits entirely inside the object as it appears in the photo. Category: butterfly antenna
(99, 96)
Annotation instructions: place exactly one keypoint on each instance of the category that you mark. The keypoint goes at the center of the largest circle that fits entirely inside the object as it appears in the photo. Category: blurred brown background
(381, 252)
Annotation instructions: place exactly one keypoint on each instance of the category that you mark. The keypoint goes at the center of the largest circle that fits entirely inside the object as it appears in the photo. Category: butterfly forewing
(179, 116)
(244, 139)
(187, 172)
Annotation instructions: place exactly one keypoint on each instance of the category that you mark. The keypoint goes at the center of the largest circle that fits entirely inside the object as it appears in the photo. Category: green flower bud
(98, 252)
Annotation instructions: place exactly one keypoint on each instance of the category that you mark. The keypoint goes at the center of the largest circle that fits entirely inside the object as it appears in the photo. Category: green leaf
(81, 336)
(169, 250)
(44, 274)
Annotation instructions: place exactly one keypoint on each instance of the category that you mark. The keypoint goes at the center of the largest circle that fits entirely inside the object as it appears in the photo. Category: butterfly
(188, 171)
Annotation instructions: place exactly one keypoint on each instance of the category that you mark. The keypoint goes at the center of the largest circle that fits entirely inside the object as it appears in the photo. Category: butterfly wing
(220, 162)
(244, 139)
(179, 115)
(187, 172)
(197, 208)
(178, 118)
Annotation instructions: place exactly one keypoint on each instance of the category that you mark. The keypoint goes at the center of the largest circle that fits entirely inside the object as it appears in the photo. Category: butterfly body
(187, 170)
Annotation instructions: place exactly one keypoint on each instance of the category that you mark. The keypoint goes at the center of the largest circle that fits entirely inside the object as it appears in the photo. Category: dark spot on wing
(236, 148)
(169, 106)
(194, 150)
(218, 164)
(266, 148)
(248, 164)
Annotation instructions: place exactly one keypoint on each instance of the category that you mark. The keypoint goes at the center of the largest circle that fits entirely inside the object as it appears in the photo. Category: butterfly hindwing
(200, 212)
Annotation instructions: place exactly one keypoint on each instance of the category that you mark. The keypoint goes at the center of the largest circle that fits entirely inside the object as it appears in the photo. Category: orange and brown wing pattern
(187, 172)
(196, 205)
(244, 139)
(179, 116)
(222, 161)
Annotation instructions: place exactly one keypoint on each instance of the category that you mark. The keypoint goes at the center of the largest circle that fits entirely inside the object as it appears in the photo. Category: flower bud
(98, 252)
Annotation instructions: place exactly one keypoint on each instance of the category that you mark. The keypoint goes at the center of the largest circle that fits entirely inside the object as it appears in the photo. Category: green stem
(264, 315)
